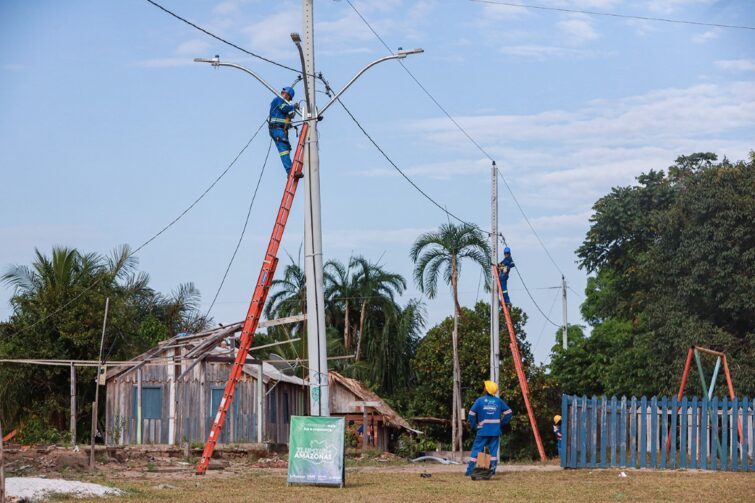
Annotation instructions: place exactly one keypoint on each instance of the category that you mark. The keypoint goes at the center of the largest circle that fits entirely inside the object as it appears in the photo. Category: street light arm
(216, 62)
(297, 41)
(398, 55)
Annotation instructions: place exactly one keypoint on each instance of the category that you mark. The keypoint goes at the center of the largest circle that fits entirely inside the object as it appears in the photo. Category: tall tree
(442, 252)
(57, 303)
(376, 287)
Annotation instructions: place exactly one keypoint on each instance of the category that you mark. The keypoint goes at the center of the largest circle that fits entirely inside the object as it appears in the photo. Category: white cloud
(706, 36)
(577, 30)
(192, 48)
(548, 51)
(737, 65)
(271, 36)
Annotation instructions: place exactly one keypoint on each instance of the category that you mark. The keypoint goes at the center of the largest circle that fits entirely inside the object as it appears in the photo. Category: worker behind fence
(486, 417)
(281, 113)
(557, 432)
(503, 274)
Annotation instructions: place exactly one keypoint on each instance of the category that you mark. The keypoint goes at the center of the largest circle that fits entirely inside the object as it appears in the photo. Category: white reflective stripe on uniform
(490, 421)
(472, 413)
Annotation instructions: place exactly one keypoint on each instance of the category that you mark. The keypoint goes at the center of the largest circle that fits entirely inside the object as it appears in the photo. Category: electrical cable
(532, 228)
(148, 241)
(533, 299)
(612, 14)
(243, 231)
(459, 127)
(542, 330)
(220, 39)
(406, 177)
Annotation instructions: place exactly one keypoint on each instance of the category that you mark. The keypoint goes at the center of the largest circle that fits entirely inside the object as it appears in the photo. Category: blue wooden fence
(714, 434)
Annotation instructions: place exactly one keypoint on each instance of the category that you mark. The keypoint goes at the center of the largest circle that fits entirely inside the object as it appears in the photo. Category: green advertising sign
(316, 451)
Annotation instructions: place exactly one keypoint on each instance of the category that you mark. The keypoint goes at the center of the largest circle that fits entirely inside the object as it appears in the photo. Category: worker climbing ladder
(519, 369)
(258, 302)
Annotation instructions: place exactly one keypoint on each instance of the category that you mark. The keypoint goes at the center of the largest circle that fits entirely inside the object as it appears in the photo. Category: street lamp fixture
(399, 55)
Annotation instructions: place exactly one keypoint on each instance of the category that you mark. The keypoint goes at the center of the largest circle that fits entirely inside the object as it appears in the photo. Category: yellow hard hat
(556, 419)
(491, 387)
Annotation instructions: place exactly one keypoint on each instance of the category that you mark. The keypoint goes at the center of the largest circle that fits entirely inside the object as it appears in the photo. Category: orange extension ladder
(258, 301)
(519, 369)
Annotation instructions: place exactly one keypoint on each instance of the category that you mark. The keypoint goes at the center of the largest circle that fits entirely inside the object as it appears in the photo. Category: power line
(459, 127)
(406, 177)
(429, 95)
(612, 14)
(521, 210)
(533, 299)
(243, 231)
(148, 241)
(542, 330)
(220, 39)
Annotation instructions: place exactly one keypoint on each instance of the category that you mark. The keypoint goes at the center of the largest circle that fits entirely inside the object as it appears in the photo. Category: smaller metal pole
(564, 333)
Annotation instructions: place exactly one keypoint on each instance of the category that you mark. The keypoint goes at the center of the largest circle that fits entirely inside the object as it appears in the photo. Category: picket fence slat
(659, 432)
(693, 441)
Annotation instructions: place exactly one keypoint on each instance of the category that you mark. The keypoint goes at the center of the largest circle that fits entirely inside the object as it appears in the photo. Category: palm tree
(442, 252)
(373, 284)
(340, 290)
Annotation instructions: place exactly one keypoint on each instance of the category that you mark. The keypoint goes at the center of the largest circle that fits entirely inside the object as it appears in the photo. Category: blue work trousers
(480, 442)
(504, 287)
(280, 137)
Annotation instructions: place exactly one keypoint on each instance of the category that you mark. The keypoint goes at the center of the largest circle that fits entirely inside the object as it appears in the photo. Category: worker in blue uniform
(281, 113)
(557, 432)
(486, 417)
(503, 273)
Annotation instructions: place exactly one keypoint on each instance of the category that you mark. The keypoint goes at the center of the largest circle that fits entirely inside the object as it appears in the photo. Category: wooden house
(358, 404)
(171, 393)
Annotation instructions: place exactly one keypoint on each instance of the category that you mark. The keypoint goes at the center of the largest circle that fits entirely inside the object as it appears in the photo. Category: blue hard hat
(507, 250)
(289, 91)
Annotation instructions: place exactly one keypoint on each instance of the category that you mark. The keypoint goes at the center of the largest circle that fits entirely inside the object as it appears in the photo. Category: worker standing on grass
(503, 274)
(281, 113)
(486, 417)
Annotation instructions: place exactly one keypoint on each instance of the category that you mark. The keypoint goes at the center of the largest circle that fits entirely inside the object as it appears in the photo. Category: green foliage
(410, 446)
(673, 259)
(432, 391)
(58, 306)
(36, 430)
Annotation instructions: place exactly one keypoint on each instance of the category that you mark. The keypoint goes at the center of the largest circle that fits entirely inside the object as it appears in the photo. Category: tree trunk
(346, 338)
(360, 336)
(457, 424)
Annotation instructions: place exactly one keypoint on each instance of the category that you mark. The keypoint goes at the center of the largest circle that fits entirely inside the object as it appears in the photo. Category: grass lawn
(377, 485)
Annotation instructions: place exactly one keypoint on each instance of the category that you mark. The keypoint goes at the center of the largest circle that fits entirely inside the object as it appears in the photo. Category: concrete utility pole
(565, 327)
(317, 353)
(495, 339)
(313, 262)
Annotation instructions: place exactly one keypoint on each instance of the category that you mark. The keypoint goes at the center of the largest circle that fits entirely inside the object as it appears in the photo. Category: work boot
(470, 467)
(298, 175)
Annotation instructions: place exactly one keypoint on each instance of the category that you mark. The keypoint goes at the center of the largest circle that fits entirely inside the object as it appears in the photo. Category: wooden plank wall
(664, 432)
(193, 401)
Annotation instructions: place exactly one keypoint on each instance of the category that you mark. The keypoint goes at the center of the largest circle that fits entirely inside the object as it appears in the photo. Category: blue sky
(108, 130)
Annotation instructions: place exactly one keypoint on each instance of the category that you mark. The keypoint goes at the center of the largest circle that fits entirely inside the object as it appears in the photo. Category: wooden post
(139, 406)
(364, 427)
(172, 398)
(73, 405)
(95, 404)
(260, 392)
(2, 471)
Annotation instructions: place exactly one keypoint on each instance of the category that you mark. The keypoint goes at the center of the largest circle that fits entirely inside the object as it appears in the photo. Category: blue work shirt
(280, 111)
(505, 266)
(488, 414)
